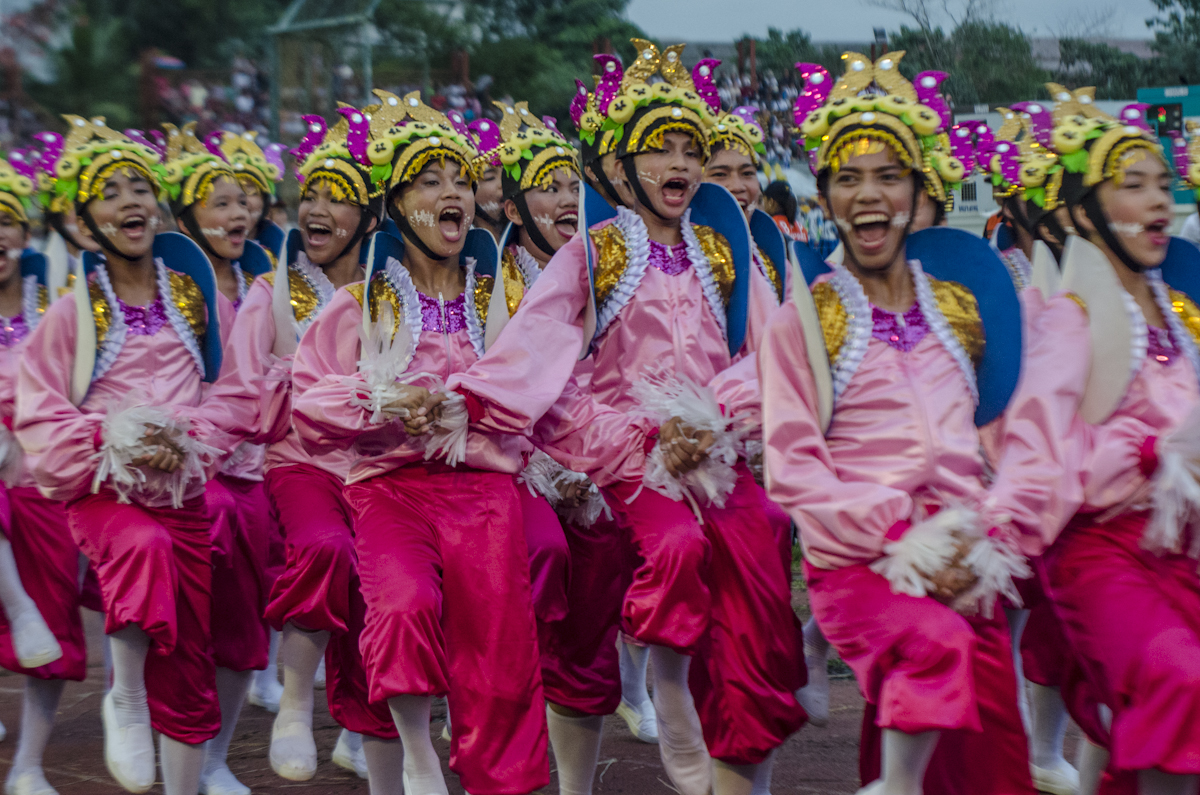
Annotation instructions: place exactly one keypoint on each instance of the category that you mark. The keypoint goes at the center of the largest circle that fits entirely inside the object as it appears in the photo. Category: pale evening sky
(852, 20)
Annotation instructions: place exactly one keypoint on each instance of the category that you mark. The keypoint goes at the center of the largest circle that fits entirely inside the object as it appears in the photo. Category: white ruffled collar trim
(31, 302)
(399, 279)
(471, 310)
(114, 340)
(1179, 333)
(318, 281)
(240, 276)
(529, 267)
(860, 325)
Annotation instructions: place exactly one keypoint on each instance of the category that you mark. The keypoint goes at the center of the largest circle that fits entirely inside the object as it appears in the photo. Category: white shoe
(642, 723)
(33, 641)
(128, 752)
(293, 752)
(347, 758)
(319, 679)
(814, 696)
(31, 782)
(871, 789)
(446, 732)
(221, 781)
(265, 697)
(1062, 779)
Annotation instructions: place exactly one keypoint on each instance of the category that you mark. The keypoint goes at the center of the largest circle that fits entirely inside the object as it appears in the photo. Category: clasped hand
(418, 407)
(166, 456)
(684, 448)
(956, 578)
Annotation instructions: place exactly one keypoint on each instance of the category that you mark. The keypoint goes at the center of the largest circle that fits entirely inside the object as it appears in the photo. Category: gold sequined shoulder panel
(304, 297)
(188, 299)
(101, 311)
(833, 319)
(483, 297)
(357, 290)
(961, 310)
(1188, 312)
(43, 298)
(514, 282)
(611, 259)
(720, 258)
(773, 273)
(269, 277)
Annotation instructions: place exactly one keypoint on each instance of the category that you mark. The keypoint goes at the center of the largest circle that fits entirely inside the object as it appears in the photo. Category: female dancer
(109, 384)
(316, 602)
(39, 562)
(660, 290)
(441, 546)
(903, 571)
(1122, 575)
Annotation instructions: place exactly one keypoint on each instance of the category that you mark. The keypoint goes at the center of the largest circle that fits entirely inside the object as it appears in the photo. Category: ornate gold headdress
(255, 166)
(739, 130)
(527, 149)
(189, 169)
(16, 189)
(90, 154)
(323, 157)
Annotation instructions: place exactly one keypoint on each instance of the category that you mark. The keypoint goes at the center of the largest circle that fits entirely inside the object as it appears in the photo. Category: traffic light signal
(1166, 117)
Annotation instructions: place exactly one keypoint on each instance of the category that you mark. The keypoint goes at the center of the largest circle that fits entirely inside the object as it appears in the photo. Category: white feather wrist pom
(923, 551)
(448, 438)
(663, 396)
(544, 476)
(997, 565)
(1176, 498)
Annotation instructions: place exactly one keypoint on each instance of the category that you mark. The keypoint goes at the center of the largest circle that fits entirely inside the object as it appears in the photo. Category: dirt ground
(814, 760)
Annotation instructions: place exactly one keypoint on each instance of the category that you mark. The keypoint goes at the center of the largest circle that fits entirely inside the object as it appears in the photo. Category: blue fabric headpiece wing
(958, 256)
(181, 254)
(1004, 237)
(271, 238)
(33, 263)
(254, 260)
(771, 242)
(811, 263)
(715, 207)
(1181, 268)
(89, 260)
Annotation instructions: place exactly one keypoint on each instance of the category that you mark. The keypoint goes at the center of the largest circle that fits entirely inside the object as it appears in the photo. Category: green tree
(1177, 40)
(94, 75)
(780, 52)
(1115, 74)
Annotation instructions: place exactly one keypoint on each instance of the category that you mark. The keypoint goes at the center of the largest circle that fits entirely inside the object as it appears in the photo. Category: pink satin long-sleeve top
(252, 399)
(326, 379)
(667, 316)
(902, 440)
(247, 460)
(154, 369)
(14, 334)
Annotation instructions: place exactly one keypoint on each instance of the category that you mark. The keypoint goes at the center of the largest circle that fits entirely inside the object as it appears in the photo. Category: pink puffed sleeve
(325, 378)
(524, 372)
(61, 439)
(1035, 487)
(1117, 460)
(841, 523)
(738, 390)
(762, 304)
(586, 436)
(252, 397)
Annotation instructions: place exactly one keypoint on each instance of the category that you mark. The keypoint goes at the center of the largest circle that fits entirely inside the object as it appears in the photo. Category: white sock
(129, 649)
(385, 765)
(762, 776)
(181, 766)
(814, 696)
(421, 763)
(733, 779)
(576, 743)
(1091, 762)
(300, 652)
(269, 676)
(1156, 782)
(1017, 619)
(905, 757)
(38, 710)
(633, 659)
(32, 640)
(232, 687)
(680, 738)
(1048, 719)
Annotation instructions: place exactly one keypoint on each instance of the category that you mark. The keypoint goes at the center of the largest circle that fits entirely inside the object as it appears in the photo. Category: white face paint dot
(356, 118)
(817, 79)
(857, 66)
(704, 71)
(928, 82)
(868, 117)
(677, 113)
(885, 64)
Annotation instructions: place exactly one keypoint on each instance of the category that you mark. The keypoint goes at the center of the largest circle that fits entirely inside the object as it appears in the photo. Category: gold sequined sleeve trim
(189, 300)
(720, 259)
(611, 259)
(1082, 304)
(961, 310)
(514, 283)
(483, 296)
(1188, 312)
(304, 297)
(43, 298)
(773, 274)
(101, 311)
(833, 318)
